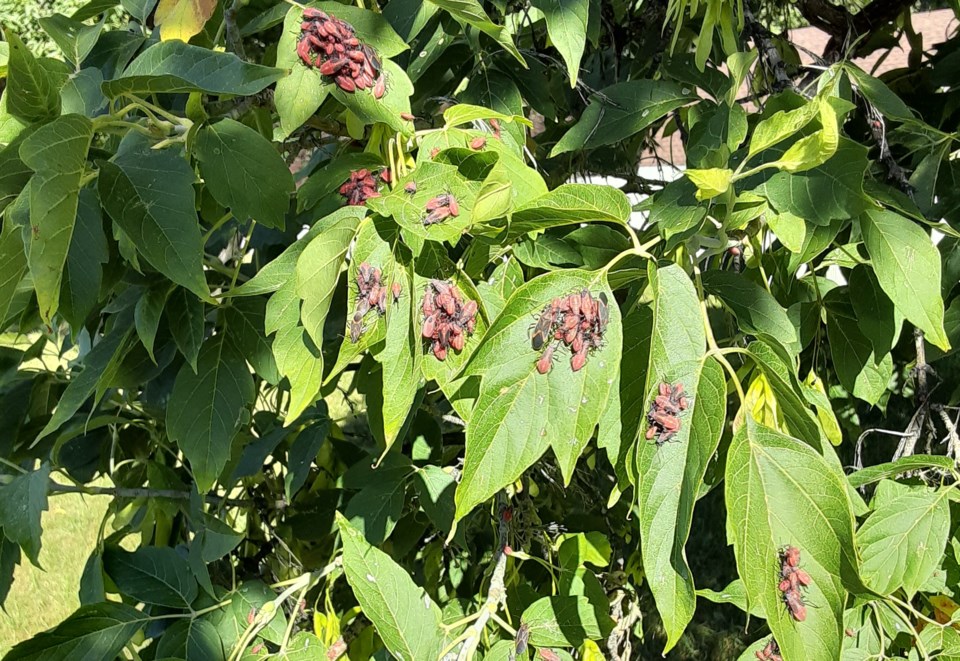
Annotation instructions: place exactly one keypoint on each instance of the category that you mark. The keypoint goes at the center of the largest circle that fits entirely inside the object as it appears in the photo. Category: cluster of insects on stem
(576, 321)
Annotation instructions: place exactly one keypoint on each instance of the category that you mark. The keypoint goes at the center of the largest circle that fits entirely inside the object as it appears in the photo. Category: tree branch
(845, 28)
(143, 492)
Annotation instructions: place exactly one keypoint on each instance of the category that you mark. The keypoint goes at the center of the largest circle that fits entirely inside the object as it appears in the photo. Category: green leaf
(876, 92)
(302, 452)
(318, 271)
(520, 413)
(915, 462)
(622, 110)
(436, 489)
(97, 631)
(9, 559)
(207, 408)
(246, 320)
(780, 126)
(74, 38)
(98, 366)
(757, 311)
(405, 617)
(173, 66)
(472, 13)
(879, 320)
(147, 315)
(83, 272)
(388, 109)
(465, 113)
(902, 541)
(676, 212)
(13, 266)
(710, 182)
(376, 508)
(249, 597)
(32, 93)
(907, 266)
(139, 9)
(299, 94)
(149, 194)
(496, 290)
(571, 204)
(22, 501)
(305, 646)
(567, 27)
(564, 622)
(780, 491)
(432, 179)
(300, 361)
(185, 319)
(244, 172)
(194, 639)
(56, 153)
(859, 369)
(669, 476)
(828, 192)
(283, 269)
(400, 359)
(152, 574)
(322, 186)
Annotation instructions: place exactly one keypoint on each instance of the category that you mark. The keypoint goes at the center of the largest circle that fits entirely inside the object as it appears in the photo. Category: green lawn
(41, 598)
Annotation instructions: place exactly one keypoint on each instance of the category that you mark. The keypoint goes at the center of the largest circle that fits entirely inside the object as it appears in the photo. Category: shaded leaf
(31, 94)
(564, 622)
(22, 501)
(301, 455)
(74, 38)
(206, 408)
(757, 311)
(152, 574)
(405, 617)
(567, 27)
(191, 640)
(83, 272)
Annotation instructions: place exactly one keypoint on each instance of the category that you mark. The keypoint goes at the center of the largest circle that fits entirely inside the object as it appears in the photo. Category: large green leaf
(669, 476)
(173, 66)
(152, 574)
(302, 452)
(191, 640)
(301, 363)
(879, 319)
(56, 153)
(564, 621)
(206, 408)
(405, 617)
(149, 194)
(97, 631)
(567, 27)
(571, 204)
(232, 620)
(74, 38)
(147, 315)
(318, 271)
(299, 94)
(186, 322)
(83, 272)
(97, 372)
(32, 94)
(860, 370)
(622, 110)
(244, 172)
(902, 541)
(757, 311)
(831, 191)
(21, 503)
(520, 413)
(246, 320)
(431, 180)
(780, 492)
(907, 265)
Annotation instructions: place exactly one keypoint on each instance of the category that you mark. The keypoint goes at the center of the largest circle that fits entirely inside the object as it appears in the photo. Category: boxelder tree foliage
(307, 294)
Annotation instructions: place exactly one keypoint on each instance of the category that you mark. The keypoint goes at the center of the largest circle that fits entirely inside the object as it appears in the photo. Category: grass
(41, 598)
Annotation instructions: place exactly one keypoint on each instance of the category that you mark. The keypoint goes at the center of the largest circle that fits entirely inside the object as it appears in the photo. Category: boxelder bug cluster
(792, 580)
(664, 415)
(447, 319)
(771, 652)
(360, 187)
(440, 208)
(331, 45)
(577, 321)
(372, 294)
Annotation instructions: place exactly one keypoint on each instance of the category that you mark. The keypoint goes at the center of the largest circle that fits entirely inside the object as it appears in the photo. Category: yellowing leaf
(182, 19)
(711, 182)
